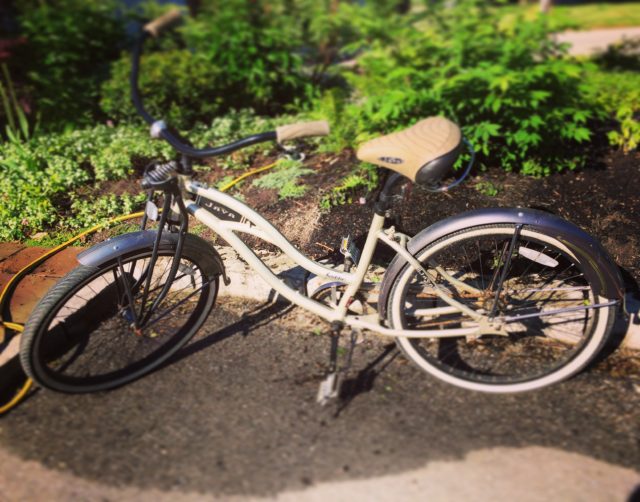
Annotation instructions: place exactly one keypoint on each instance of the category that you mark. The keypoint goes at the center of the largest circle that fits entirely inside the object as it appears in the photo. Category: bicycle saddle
(423, 153)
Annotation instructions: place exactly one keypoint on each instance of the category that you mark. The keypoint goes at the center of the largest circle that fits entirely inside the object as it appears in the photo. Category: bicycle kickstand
(330, 386)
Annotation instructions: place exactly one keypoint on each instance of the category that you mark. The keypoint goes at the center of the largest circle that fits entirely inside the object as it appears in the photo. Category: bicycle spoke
(541, 292)
(93, 336)
(171, 309)
(505, 271)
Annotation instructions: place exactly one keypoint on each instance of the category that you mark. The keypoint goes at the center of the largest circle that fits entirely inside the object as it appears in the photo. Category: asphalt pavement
(233, 416)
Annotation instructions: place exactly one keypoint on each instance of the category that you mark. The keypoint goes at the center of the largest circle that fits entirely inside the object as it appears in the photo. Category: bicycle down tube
(252, 223)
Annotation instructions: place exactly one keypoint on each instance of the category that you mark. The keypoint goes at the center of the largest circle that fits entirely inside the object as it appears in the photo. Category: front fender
(600, 269)
(109, 250)
(123, 244)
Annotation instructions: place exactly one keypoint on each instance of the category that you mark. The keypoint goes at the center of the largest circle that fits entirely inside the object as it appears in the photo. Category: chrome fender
(132, 242)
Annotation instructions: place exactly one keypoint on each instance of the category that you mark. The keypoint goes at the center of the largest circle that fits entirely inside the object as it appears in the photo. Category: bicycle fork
(158, 177)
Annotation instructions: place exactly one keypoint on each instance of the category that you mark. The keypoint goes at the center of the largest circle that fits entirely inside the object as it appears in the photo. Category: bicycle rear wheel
(549, 327)
(81, 336)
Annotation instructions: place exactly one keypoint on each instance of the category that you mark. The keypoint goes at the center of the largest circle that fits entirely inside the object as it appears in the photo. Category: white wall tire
(598, 329)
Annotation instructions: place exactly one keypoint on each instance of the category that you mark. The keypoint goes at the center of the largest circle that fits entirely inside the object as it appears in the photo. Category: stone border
(247, 284)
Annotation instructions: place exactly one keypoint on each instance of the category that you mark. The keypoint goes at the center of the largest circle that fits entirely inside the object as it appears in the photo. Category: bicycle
(493, 300)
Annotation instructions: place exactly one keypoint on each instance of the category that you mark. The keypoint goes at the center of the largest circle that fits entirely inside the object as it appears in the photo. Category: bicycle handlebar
(302, 130)
(160, 23)
(160, 130)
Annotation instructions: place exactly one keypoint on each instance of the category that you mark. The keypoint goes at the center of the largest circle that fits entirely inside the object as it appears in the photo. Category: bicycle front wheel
(548, 325)
(81, 337)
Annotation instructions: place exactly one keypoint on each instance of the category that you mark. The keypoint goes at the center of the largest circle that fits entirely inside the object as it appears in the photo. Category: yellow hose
(246, 175)
(25, 270)
(22, 392)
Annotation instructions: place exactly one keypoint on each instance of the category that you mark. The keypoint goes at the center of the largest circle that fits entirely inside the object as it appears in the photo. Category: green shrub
(623, 56)
(87, 213)
(69, 46)
(37, 178)
(364, 176)
(628, 136)
(235, 125)
(332, 32)
(177, 86)
(487, 188)
(255, 45)
(616, 88)
(265, 55)
(233, 55)
(617, 93)
(501, 77)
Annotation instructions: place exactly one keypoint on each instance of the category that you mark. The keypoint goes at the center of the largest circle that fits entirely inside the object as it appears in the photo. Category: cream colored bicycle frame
(256, 225)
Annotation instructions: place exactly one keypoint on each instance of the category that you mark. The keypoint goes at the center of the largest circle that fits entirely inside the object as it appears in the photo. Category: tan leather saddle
(423, 153)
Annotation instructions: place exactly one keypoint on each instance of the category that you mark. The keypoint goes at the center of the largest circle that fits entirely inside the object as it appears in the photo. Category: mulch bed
(603, 199)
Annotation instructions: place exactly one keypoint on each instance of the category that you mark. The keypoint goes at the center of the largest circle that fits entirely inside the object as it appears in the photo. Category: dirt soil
(602, 198)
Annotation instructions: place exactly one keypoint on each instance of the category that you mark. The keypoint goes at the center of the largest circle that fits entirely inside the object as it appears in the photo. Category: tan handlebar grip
(302, 130)
(160, 23)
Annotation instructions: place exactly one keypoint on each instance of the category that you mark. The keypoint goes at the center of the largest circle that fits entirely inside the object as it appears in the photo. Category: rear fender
(600, 269)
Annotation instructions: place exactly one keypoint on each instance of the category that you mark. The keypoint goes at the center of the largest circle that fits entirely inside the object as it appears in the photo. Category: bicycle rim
(543, 280)
(88, 340)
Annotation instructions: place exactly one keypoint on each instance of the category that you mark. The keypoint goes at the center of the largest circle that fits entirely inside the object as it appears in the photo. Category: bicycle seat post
(383, 204)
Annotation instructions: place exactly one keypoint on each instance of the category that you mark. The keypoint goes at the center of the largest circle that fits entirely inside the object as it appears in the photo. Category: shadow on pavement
(240, 417)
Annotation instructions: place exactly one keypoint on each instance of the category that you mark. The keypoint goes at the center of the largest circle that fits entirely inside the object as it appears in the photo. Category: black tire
(543, 276)
(80, 338)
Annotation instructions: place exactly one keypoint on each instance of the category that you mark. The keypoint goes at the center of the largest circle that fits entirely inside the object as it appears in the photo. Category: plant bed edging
(246, 283)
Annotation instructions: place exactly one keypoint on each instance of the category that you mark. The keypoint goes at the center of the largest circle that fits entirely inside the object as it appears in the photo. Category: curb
(631, 327)
(247, 284)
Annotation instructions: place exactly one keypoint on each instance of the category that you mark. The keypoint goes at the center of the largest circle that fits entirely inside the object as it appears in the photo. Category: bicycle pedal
(349, 249)
(328, 388)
